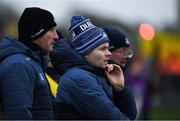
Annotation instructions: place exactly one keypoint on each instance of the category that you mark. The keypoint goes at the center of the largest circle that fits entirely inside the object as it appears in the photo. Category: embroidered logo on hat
(86, 25)
(127, 41)
(78, 30)
(36, 34)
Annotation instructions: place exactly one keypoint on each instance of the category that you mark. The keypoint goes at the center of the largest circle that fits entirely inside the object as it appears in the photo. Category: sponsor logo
(41, 76)
(38, 33)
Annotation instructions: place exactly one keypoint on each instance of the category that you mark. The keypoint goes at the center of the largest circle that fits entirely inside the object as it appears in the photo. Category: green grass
(164, 113)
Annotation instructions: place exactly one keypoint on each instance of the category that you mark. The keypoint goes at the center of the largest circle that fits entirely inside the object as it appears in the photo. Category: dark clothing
(53, 74)
(24, 90)
(122, 67)
(85, 93)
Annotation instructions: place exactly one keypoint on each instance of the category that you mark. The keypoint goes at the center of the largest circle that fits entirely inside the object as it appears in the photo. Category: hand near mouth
(115, 76)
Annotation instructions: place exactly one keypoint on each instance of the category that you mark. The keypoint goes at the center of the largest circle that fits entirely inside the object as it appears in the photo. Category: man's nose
(56, 35)
(108, 53)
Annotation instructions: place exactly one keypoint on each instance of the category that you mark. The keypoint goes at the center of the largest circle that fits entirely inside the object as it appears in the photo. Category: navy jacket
(85, 93)
(24, 90)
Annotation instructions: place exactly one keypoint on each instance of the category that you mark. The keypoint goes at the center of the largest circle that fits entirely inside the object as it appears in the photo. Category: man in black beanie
(24, 90)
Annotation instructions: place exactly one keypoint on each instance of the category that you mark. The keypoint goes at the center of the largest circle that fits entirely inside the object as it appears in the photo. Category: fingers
(109, 67)
(117, 67)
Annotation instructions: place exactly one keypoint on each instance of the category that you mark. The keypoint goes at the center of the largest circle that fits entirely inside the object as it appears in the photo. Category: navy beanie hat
(34, 23)
(85, 35)
(117, 38)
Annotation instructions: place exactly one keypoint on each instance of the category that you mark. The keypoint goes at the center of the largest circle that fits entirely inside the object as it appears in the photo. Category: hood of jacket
(10, 46)
(64, 57)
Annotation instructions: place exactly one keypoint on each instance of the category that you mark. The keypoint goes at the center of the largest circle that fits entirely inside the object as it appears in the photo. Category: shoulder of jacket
(78, 72)
(20, 58)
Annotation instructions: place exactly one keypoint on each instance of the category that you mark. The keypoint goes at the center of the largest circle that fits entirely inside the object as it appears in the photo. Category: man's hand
(115, 76)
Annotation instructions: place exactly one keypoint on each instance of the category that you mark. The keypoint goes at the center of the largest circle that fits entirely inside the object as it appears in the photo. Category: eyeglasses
(125, 52)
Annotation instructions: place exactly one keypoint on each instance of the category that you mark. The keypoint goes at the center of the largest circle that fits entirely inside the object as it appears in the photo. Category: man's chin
(103, 67)
(50, 49)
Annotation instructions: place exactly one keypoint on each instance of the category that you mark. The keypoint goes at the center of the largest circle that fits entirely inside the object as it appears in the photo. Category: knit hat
(85, 35)
(34, 23)
(117, 38)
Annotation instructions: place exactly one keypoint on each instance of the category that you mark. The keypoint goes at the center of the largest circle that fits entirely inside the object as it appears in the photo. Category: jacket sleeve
(89, 99)
(17, 92)
(125, 101)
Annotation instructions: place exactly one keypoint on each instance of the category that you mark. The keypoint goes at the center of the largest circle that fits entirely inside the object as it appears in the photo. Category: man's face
(99, 56)
(47, 40)
(120, 56)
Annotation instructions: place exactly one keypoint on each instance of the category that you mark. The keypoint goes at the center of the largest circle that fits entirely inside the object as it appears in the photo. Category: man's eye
(104, 48)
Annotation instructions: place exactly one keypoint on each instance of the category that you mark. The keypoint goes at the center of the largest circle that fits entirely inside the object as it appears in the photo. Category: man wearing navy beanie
(85, 35)
(25, 93)
(90, 88)
(119, 46)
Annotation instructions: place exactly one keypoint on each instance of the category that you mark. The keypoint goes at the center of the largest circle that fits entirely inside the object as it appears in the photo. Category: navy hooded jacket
(24, 90)
(84, 92)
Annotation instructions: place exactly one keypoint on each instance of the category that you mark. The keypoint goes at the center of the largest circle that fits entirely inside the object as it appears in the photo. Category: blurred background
(153, 27)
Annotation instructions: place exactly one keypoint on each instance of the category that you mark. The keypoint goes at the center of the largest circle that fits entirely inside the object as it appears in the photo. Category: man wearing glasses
(119, 46)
